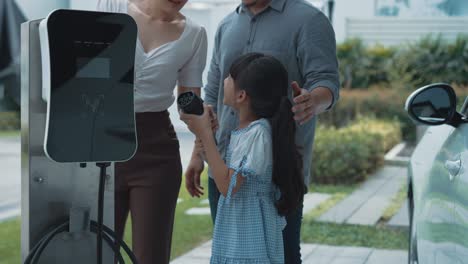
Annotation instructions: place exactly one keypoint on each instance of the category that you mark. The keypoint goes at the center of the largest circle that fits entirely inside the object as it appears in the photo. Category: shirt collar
(277, 5)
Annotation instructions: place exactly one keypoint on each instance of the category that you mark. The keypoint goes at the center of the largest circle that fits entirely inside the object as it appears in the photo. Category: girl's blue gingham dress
(248, 228)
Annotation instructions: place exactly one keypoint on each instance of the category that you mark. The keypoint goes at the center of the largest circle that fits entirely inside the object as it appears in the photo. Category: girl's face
(171, 6)
(230, 92)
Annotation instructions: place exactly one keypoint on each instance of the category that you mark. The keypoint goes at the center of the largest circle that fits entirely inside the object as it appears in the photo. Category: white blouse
(157, 72)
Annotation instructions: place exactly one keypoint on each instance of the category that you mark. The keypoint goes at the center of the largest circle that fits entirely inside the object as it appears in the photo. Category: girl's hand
(199, 125)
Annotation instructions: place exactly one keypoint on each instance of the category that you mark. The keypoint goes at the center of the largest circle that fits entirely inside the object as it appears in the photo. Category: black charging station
(87, 60)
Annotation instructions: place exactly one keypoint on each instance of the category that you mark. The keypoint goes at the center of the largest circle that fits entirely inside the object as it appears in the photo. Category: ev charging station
(77, 119)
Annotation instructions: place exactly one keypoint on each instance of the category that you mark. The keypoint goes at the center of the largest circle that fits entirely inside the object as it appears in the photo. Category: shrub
(390, 132)
(347, 155)
(9, 121)
(385, 104)
(416, 64)
(431, 60)
(361, 66)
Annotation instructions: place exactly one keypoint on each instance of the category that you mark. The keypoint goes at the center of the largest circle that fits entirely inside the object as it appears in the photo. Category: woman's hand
(199, 125)
(193, 175)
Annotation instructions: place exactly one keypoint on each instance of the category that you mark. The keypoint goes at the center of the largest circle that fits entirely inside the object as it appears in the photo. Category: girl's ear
(241, 96)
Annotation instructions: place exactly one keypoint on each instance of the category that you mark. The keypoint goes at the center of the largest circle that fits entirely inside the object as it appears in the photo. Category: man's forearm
(322, 97)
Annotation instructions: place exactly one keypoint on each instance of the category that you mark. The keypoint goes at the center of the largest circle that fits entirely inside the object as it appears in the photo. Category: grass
(10, 133)
(10, 242)
(353, 235)
(333, 234)
(189, 231)
(395, 204)
(332, 189)
(337, 192)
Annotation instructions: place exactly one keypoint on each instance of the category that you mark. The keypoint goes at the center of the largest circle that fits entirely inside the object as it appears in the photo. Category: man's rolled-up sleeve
(211, 88)
(316, 54)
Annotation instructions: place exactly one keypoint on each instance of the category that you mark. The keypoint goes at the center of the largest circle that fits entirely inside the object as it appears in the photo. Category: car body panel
(433, 194)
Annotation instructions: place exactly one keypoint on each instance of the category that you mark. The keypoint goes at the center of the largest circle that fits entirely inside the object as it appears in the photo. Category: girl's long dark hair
(265, 80)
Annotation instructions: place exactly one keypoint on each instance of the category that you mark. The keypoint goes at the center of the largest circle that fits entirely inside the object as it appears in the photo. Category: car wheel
(413, 249)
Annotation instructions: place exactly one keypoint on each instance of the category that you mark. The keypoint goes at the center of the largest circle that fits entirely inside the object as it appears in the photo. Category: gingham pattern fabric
(248, 228)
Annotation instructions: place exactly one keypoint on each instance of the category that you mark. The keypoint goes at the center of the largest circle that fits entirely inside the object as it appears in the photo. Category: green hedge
(385, 104)
(348, 155)
(362, 66)
(9, 121)
(416, 64)
(431, 60)
(389, 132)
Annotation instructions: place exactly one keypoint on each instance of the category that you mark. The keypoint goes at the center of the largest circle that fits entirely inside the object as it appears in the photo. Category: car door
(460, 199)
(432, 187)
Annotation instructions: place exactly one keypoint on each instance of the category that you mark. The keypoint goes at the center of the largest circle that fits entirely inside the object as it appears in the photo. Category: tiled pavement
(315, 254)
(372, 196)
(366, 205)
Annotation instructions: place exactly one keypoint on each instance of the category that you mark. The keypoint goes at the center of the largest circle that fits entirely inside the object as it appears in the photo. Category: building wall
(396, 31)
(391, 22)
(345, 9)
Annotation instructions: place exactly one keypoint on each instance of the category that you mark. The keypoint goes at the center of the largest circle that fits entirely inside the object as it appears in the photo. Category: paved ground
(401, 219)
(311, 201)
(10, 178)
(366, 205)
(10, 172)
(315, 254)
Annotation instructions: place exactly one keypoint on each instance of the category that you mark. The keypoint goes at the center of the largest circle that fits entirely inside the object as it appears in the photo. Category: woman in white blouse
(171, 50)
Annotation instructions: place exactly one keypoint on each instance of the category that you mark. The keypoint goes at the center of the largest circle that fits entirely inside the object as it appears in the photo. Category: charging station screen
(93, 68)
(91, 115)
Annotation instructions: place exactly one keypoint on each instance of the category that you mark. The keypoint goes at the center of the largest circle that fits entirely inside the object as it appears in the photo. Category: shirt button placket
(250, 40)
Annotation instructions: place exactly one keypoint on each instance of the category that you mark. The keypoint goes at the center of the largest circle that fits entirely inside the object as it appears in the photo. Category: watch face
(91, 112)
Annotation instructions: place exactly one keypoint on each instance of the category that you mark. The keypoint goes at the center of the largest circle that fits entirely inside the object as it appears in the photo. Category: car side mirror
(434, 104)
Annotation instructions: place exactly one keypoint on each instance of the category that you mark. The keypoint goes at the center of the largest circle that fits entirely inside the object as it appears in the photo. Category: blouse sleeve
(252, 158)
(191, 73)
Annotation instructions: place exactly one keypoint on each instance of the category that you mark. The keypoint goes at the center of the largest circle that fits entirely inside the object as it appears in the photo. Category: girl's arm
(221, 173)
(202, 128)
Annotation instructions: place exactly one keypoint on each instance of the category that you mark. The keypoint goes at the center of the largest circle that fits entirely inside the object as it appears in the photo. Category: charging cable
(102, 232)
